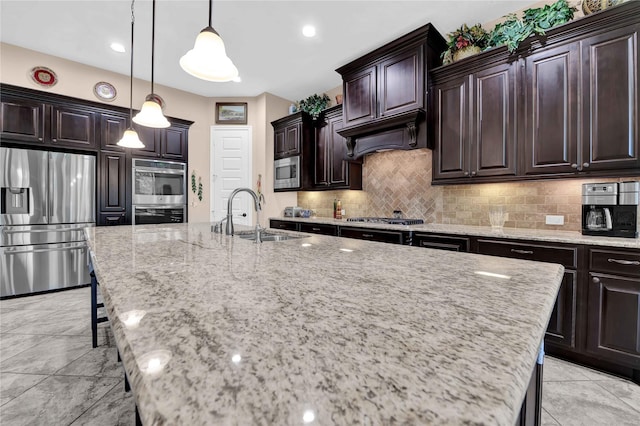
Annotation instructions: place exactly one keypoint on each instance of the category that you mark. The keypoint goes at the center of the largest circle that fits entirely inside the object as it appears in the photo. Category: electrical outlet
(554, 219)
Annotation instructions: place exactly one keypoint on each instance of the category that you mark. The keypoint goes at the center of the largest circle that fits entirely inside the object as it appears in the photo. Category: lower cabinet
(395, 237)
(316, 228)
(107, 219)
(613, 310)
(284, 224)
(442, 242)
(561, 330)
(112, 188)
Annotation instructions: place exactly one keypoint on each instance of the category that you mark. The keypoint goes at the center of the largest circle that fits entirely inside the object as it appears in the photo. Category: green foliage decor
(196, 188)
(513, 31)
(464, 37)
(314, 105)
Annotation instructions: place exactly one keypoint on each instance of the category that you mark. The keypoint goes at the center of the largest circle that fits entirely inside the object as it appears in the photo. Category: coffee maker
(611, 209)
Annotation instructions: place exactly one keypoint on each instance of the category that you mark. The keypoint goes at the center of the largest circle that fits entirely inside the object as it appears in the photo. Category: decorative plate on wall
(105, 91)
(43, 76)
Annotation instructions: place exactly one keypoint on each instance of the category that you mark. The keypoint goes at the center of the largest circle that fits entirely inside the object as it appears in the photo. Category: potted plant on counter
(464, 42)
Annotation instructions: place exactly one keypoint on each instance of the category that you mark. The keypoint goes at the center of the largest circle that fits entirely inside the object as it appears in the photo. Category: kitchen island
(320, 330)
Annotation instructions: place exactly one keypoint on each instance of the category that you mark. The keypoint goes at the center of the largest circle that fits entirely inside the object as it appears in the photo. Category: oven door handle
(161, 171)
(159, 206)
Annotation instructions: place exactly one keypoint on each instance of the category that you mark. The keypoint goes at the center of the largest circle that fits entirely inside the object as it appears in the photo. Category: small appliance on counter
(296, 212)
(611, 209)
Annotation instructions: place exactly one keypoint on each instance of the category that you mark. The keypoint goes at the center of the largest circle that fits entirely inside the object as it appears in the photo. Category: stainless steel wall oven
(159, 182)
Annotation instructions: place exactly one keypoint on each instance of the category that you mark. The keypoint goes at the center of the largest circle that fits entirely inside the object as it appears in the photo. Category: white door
(231, 169)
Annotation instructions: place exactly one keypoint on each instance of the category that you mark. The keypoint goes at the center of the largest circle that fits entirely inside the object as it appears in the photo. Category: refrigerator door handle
(18, 250)
(9, 230)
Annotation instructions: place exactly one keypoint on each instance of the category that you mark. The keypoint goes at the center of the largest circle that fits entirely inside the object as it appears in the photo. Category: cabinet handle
(624, 262)
(574, 166)
(466, 173)
(367, 235)
(54, 140)
(596, 280)
(40, 139)
(315, 229)
(585, 165)
(474, 173)
(521, 251)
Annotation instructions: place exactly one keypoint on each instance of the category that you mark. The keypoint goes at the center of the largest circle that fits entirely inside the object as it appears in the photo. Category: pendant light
(208, 59)
(130, 137)
(151, 113)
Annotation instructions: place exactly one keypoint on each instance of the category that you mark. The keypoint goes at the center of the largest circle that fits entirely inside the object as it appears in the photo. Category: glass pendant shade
(208, 59)
(130, 139)
(151, 115)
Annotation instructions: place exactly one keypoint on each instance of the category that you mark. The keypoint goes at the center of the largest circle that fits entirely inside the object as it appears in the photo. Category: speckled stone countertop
(319, 330)
(569, 237)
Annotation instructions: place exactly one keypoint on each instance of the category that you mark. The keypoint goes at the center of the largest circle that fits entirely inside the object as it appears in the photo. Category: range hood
(385, 94)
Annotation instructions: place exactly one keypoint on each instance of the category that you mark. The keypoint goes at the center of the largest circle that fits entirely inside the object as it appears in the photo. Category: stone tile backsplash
(401, 180)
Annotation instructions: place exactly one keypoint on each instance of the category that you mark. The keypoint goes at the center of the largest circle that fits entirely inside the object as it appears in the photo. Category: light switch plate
(551, 219)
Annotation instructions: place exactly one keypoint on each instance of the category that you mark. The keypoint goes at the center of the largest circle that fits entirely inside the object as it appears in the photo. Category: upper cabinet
(384, 94)
(22, 120)
(562, 106)
(73, 127)
(290, 134)
(332, 170)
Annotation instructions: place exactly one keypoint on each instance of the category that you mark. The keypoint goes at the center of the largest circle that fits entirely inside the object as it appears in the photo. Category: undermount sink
(268, 236)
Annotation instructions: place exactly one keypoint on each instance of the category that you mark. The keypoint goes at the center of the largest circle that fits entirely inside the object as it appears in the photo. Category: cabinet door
(360, 98)
(493, 132)
(441, 242)
(112, 128)
(151, 138)
(279, 139)
(395, 237)
(562, 327)
(338, 167)
(610, 94)
(174, 143)
(22, 121)
(110, 219)
(551, 111)
(321, 155)
(451, 151)
(317, 228)
(401, 83)
(613, 329)
(113, 185)
(73, 127)
(292, 139)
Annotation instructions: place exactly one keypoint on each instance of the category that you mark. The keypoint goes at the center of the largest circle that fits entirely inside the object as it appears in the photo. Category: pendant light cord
(210, 12)
(131, 71)
(153, 41)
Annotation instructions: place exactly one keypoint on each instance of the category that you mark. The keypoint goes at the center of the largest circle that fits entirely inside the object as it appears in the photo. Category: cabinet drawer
(315, 228)
(106, 219)
(566, 256)
(442, 242)
(283, 224)
(619, 262)
(396, 237)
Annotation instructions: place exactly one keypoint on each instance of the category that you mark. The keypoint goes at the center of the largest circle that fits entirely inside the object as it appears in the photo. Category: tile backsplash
(401, 180)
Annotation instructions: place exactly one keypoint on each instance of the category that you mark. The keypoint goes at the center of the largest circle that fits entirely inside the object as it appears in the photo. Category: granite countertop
(323, 329)
(569, 237)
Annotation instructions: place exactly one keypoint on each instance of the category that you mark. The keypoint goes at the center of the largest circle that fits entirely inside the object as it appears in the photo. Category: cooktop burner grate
(386, 220)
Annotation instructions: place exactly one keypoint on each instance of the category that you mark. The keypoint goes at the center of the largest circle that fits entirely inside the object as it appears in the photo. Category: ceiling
(263, 38)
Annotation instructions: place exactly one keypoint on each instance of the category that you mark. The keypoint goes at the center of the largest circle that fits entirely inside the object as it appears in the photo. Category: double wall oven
(159, 191)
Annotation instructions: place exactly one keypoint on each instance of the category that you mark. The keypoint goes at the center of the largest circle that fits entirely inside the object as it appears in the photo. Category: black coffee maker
(611, 209)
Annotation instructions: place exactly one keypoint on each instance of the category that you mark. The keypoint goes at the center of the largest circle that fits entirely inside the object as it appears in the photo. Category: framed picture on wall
(231, 113)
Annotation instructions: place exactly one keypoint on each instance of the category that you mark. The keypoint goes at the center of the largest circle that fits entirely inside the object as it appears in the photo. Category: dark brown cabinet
(22, 120)
(383, 236)
(611, 100)
(290, 134)
(385, 100)
(562, 324)
(613, 328)
(331, 170)
(112, 127)
(551, 110)
(475, 131)
(571, 109)
(284, 224)
(319, 228)
(112, 183)
(169, 143)
(73, 127)
(441, 242)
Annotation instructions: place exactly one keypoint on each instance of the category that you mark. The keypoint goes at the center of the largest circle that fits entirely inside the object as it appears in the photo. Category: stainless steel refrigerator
(47, 199)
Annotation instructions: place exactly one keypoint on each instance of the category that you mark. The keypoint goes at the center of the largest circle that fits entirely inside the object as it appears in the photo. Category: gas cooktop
(386, 220)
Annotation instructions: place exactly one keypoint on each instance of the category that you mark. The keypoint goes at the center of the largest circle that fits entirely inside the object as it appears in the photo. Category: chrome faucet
(229, 228)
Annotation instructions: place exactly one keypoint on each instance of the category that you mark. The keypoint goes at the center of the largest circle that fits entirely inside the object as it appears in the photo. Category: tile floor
(50, 374)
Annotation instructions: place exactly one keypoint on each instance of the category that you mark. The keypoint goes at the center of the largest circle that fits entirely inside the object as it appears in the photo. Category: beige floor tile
(627, 391)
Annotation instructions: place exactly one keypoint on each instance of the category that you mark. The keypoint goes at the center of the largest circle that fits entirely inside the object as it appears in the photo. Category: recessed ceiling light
(117, 47)
(309, 31)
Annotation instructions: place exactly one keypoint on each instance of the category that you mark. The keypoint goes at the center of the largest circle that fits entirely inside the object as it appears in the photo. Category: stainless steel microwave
(286, 173)
(159, 182)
